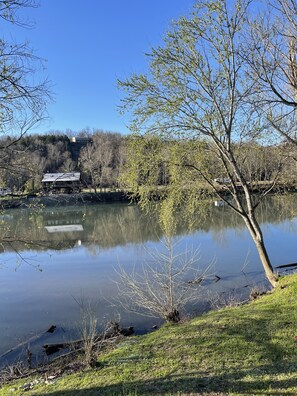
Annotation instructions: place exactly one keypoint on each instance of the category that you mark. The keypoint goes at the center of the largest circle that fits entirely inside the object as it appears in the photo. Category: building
(61, 182)
(76, 145)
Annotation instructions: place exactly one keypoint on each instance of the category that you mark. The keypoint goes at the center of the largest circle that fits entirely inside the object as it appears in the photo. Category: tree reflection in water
(109, 225)
(77, 247)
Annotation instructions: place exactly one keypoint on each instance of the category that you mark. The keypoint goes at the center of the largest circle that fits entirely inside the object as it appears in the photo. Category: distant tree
(100, 160)
(196, 93)
(261, 163)
(25, 162)
(88, 165)
(289, 173)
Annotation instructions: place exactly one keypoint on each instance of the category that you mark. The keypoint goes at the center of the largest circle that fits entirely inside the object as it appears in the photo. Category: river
(51, 257)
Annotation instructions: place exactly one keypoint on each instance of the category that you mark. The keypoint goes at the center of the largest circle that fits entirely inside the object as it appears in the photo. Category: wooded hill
(23, 163)
(102, 157)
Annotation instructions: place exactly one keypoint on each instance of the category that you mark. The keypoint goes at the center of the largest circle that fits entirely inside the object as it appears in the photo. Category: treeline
(105, 157)
(23, 162)
(101, 161)
(152, 161)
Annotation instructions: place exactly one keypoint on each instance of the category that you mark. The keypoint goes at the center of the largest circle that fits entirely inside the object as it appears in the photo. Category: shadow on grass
(247, 382)
(267, 327)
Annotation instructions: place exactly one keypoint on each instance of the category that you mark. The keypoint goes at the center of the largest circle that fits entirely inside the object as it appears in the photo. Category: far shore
(107, 196)
(84, 198)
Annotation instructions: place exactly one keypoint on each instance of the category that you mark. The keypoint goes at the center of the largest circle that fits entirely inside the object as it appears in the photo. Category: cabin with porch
(61, 183)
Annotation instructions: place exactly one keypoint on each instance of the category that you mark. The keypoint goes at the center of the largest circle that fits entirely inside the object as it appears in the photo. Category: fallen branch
(287, 265)
(112, 332)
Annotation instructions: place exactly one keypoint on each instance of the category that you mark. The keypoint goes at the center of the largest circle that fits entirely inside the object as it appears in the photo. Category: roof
(64, 228)
(53, 177)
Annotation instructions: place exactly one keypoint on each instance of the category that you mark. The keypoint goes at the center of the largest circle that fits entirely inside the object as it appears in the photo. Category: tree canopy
(201, 91)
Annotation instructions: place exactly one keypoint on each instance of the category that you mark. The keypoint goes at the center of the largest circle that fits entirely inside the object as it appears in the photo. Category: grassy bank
(247, 350)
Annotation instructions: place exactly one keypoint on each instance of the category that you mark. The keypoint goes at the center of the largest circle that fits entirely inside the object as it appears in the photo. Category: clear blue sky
(87, 45)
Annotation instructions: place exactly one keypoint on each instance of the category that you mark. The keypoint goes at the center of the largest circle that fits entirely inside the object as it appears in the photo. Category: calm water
(59, 254)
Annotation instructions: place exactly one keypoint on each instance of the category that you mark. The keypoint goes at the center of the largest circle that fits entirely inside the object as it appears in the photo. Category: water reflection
(78, 248)
(107, 226)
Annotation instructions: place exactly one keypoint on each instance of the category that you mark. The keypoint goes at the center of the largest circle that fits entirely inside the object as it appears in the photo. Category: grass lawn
(247, 350)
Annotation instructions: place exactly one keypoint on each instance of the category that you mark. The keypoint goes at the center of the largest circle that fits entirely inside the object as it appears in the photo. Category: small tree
(164, 285)
(197, 93)
(87, 328)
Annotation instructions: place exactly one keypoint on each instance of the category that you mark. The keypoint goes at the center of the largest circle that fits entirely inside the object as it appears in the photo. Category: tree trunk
(270, 274)
(256, 234)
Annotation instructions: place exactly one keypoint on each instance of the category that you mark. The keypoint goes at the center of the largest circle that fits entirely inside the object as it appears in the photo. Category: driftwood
(287, 265)
(113, 331)
(200, 279)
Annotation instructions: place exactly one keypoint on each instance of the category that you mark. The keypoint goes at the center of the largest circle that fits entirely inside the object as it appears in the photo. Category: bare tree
(89, 165)
(9, 10)
(271, 53)
(164, 285)
(87, 328)
(24, 93)
(101, 160)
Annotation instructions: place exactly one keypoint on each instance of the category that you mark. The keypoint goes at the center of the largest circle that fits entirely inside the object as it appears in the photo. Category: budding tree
(196, 94)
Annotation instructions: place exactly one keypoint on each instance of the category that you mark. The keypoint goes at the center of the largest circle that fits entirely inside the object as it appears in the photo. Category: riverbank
(84, 198)
(107, 196)
(244, 350)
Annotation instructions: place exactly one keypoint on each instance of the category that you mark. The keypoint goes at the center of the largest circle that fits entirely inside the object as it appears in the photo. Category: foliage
(156, 168)
(196, 94)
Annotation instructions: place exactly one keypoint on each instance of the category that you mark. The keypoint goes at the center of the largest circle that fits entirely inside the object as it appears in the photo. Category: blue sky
(87, 45)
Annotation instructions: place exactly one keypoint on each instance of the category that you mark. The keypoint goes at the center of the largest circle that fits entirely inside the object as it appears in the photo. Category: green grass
(247, 350)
